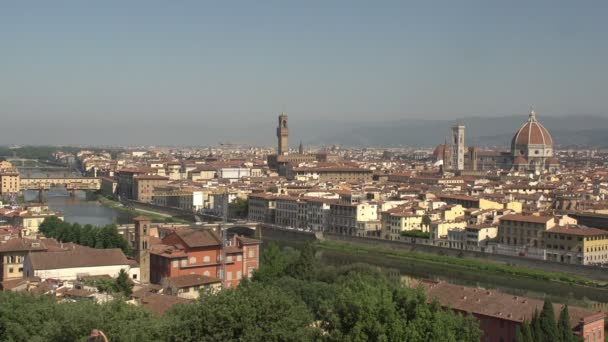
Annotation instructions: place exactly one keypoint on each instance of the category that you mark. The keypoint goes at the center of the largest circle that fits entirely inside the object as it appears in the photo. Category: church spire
(301, 148)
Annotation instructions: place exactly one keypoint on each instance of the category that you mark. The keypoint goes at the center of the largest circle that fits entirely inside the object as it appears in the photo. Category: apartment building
(199, 252)
(576, 245)
(187, 199)
(9, 179)
(343, 217)
(524, 230)
(144, 185)
(262, 207)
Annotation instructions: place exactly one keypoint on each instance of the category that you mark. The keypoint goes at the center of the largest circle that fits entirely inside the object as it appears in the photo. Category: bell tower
(142, 247)
(283, 135)
(458, 146)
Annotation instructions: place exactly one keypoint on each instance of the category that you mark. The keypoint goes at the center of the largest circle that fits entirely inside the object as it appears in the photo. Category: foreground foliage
(290, 298)
(544, 328)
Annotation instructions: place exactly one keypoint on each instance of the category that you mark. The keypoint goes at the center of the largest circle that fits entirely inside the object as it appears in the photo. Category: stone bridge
(70, 183)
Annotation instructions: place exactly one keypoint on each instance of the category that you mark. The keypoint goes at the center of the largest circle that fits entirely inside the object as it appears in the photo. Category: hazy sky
(237, 61)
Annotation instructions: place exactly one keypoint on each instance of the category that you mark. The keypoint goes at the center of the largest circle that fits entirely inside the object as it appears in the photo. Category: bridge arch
(242, 230)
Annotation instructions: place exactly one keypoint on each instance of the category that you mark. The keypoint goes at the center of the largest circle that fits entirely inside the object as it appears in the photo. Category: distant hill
(567, 131)
(487, 132)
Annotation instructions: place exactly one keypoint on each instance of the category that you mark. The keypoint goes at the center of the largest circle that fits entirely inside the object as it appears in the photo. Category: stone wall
(592, 272)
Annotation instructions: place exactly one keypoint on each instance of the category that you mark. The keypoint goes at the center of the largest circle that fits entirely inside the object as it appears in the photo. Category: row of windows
(596, 257)
(562, 247)
(207, 259)
(12, 270)
(13, 259)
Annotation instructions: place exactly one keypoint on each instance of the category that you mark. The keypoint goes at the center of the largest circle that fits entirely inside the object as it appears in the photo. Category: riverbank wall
(591, 272)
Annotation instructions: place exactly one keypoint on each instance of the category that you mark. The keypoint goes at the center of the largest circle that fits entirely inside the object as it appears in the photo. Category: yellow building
(9, 179)
(393, 223)
(452, 213)
(576, 245)
(516, 207)
(439, 229)
(31, 221)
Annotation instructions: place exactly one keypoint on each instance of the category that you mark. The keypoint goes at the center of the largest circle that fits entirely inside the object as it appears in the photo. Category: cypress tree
(527, 332)
(548, 325)
(519, 334)
(563, 326)
(537, 333)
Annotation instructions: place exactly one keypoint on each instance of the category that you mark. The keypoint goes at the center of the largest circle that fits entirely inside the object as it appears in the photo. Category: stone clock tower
(283, 136)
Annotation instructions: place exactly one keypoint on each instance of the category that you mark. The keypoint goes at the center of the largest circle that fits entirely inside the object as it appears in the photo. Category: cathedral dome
(519, 160)
(531, 133)
(438, 152)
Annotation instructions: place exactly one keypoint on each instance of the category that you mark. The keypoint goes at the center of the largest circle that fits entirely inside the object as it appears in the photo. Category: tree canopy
(543, 327)
(96, 237)
(292, 297)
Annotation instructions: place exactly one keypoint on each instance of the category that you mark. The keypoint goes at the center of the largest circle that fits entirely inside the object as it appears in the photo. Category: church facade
(531, 150)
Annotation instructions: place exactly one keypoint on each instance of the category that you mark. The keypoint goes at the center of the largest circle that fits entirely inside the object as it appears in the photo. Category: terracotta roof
(526, 218)
(199, 238)
(249, 241)
(81, 257)
(22, 245)
(577, 230)
(190, 280)
(497, 304)
(162, 303)
(519, 160)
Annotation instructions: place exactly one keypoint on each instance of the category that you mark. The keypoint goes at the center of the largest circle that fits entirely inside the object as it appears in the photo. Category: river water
(80, 208)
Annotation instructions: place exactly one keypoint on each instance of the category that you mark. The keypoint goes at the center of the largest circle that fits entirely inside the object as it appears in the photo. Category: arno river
(85, 210)
(80, 209)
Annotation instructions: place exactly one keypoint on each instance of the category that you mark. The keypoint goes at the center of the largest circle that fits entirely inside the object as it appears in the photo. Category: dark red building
(189, 251)
(500, 314)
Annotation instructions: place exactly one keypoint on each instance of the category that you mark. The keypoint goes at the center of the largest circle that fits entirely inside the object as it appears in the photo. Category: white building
(70, 265)
(233, 172)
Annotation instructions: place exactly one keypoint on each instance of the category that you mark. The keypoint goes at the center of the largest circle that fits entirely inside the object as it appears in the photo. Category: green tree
(304, 267)
(273, 263)
(237, 315)
(563, 326)
(524, 333)
(240, 207)
(537, 333)
(123, 283)
(519, 335)
(547, 322)
(426, 221)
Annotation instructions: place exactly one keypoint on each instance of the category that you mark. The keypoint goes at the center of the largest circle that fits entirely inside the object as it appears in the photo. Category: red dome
(438, 152)
(519, 160)
(532, 133)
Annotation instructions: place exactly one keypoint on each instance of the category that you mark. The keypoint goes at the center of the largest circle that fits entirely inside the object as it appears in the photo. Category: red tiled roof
(497, 304)
(576, 230)
(81, 257)
(526, 218)
(190, 280)
(199, 238)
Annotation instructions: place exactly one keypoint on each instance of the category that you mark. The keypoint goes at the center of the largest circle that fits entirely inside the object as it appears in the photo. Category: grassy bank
(456, 263)
(155, 217)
